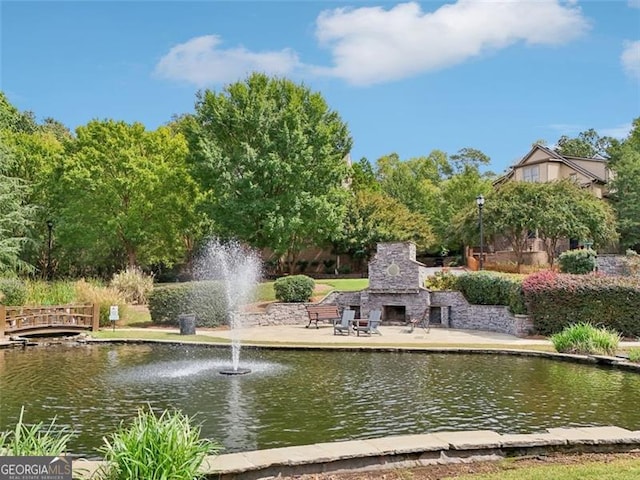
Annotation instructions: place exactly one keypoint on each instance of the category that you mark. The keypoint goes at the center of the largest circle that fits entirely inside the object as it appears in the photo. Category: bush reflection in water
(301, 397)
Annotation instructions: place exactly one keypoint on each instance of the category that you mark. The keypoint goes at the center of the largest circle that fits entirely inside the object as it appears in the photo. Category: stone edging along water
(403, 451)
(615, 362)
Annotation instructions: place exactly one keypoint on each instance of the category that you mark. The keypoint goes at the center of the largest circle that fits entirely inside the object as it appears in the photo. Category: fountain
(238, 268)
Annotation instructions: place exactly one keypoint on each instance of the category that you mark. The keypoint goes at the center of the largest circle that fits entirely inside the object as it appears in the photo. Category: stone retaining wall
(490, 318)
(462, 315)
(612, 264)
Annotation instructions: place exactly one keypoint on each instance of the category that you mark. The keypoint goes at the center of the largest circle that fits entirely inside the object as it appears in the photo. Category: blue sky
(406, 77)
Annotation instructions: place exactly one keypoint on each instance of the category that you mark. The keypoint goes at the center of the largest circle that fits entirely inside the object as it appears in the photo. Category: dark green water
(301, 397)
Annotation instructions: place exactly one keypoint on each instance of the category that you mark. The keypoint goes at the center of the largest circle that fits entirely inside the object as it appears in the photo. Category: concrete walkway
(390, 336)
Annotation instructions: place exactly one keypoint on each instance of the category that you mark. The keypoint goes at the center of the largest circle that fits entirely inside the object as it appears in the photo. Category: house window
(531, 174)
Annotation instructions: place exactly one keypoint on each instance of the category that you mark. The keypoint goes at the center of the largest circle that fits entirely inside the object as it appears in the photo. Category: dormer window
(531, 174)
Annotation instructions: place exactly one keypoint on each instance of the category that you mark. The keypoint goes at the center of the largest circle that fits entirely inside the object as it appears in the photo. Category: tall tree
(625, 186)
(16, 217)
(564, 210)
(554, 210)
(273, 155)
(124, 196)
(374, 217)
(587, 144)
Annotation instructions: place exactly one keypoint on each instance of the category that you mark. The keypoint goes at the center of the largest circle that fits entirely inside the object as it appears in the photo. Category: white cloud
(200, 61)
(634, 3)
(373, 45)
(630, 58)
(621, 131)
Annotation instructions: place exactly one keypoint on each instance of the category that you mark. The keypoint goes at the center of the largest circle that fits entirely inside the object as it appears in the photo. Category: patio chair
(370, 325)
(344, 323)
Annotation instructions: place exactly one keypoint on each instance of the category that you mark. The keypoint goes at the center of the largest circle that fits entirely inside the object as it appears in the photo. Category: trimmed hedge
(206, 299)
(13, 291)
(556, 301)
(578, 261)
(294, 289)
(486, 288)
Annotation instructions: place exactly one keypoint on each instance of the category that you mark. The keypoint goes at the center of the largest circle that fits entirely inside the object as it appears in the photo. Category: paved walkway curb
(404, 451)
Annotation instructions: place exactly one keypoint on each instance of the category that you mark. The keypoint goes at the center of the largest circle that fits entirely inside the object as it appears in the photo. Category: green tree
(625, 186)
(564, 210)
(14, 120)
(273, 155)
(518, 210)
(436, 186)
(124, 196)
(374, 217)
(16, 217)
(587, 144)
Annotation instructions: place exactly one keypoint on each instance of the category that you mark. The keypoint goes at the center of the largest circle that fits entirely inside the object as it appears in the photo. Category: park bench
(322, 312)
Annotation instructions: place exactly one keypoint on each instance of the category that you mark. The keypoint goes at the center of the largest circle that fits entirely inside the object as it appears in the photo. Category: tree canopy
(273, 155)
(625, 186)
(123, 195)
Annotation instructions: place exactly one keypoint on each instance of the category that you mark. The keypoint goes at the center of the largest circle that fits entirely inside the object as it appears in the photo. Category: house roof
(568, 160)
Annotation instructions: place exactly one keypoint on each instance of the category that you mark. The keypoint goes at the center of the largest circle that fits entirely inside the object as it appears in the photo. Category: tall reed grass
(34, 440)
(133, 284)
(50, 293)
(155, 448)
(584, 338)
(88, 292)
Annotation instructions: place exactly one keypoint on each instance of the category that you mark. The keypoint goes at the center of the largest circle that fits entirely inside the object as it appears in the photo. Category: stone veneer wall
(410, 273)
(491, 318)
(612, 264)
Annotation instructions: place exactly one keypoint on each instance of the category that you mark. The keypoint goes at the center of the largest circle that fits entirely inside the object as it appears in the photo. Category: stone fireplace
(396, 285)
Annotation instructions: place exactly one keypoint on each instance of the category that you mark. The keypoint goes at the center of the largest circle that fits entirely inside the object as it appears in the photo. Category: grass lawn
(153, 334)
(265, 293)
(620, 469)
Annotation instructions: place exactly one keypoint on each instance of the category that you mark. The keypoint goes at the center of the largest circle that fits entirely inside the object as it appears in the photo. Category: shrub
(168, 446)
(584, 338)
(34, 440)
(578, 261)
(205, 299)
(133, 284)
(295, 288)
(486, 288)
(441, 281)
(632, 263)
(54, 293)
(556, 301)
(105, 297)
(634, 355)
(13, 291)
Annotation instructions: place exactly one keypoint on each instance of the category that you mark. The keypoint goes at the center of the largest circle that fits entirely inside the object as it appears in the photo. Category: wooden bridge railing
(15, 320)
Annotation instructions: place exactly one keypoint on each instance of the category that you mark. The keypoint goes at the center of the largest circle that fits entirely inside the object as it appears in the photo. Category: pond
(301, 397)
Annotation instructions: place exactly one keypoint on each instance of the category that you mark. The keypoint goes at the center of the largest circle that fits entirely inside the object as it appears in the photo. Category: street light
(50, 228)
(480, 203)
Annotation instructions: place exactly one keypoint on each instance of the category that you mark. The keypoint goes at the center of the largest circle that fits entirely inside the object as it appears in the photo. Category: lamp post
(50, 228)
(480, 203)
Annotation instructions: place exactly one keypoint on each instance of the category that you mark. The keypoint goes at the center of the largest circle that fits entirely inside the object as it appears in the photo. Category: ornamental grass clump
(34, 440)
(585, 339)
(154, 448)
(634, 355)
(133, 284)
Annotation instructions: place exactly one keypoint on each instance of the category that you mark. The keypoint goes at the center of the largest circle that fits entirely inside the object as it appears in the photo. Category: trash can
(187, 324)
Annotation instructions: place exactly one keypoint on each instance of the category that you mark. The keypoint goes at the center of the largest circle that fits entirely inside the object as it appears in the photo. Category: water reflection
(294, 398)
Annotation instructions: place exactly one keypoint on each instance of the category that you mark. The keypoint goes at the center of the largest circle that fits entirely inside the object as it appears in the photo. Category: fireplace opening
(394, 313)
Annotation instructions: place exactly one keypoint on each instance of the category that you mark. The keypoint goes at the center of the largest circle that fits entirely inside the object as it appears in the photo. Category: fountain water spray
(238, 268)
